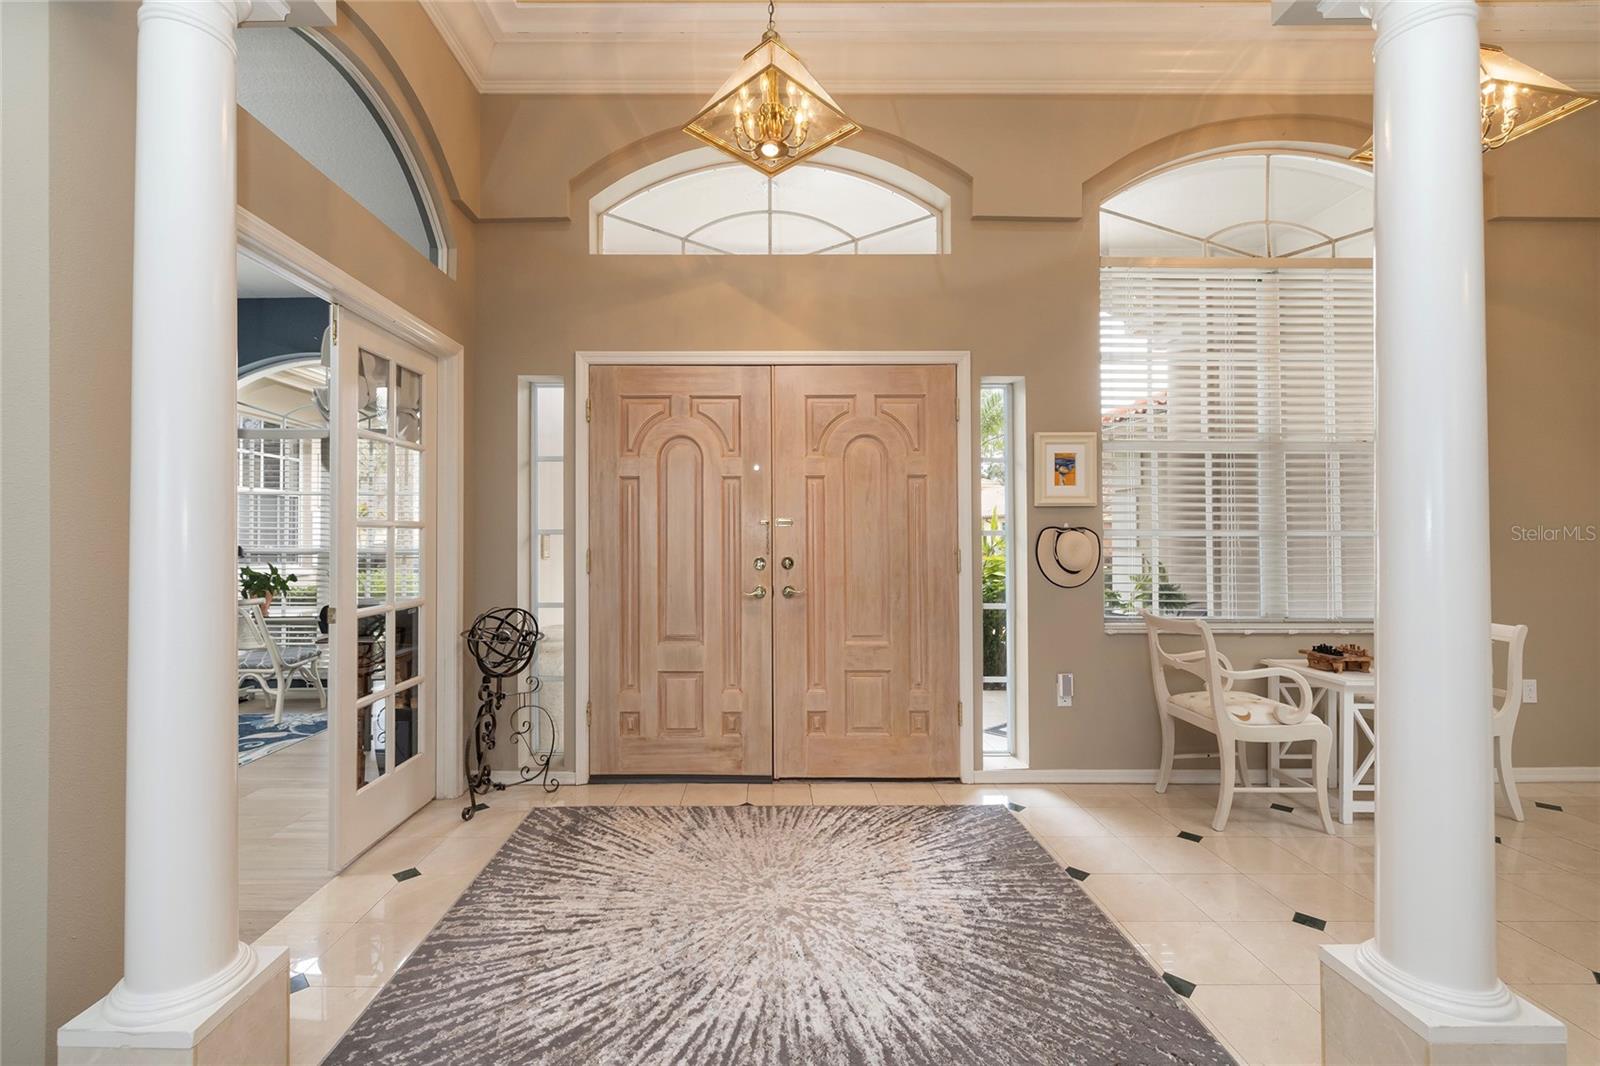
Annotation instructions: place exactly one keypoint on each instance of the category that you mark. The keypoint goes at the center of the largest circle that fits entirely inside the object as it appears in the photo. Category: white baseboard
(1130, 777)
(1210, 777)
(1100, 777)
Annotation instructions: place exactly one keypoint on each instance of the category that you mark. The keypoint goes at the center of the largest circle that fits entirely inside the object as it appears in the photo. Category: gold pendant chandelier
(1514, 100)
(771, 113)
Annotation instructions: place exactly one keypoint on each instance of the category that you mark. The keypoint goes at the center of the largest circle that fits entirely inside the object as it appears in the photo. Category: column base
(250, 1027)
(1364, 1023)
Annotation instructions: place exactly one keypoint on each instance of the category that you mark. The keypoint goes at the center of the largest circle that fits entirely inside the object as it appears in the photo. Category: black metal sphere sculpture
(502, 641)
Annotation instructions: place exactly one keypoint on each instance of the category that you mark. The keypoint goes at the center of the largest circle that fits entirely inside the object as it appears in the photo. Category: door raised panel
(680, 655)
(865, 653)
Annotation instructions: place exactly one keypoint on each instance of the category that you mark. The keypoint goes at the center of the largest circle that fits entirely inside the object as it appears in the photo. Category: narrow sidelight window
(997, 525)
(545, 524)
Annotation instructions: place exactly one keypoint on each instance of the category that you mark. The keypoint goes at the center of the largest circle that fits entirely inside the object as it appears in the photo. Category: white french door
(383, 695)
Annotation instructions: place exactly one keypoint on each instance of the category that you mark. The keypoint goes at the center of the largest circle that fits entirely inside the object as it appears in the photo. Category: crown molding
(957, 46)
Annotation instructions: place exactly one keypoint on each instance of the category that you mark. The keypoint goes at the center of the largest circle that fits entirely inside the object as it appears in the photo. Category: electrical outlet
(1530, 690)
(1063, 690)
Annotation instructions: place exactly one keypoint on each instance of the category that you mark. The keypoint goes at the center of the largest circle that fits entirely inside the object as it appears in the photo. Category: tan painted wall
(91, 263)
(24, 525)
(1544, 471)
(1020, 295)
(68, 259)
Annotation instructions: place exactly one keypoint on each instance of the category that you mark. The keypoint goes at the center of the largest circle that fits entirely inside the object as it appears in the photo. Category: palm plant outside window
(996, 486)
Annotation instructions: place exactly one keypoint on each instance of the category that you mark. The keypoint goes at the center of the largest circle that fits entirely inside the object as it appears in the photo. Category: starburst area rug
(805, 935)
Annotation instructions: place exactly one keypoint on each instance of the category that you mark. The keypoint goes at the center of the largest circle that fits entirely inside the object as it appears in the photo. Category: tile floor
(1218, 913)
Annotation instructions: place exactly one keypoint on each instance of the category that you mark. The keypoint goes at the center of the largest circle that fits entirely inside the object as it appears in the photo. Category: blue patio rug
(258, 737)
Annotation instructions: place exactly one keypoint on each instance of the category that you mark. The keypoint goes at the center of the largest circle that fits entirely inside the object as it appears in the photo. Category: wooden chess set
(1336, 659)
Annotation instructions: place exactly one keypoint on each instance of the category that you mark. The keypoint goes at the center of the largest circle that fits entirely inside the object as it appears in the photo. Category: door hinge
(588, 713)
(960, 710)
(588, 559)
(333, 615)
(588, 410)
(958, 558)
(958, 409)
(333, 326)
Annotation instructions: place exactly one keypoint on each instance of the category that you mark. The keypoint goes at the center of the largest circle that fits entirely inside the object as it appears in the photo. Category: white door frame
(966, 453)
(299, 264)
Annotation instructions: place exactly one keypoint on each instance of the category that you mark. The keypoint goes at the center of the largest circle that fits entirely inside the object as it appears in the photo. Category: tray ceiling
(954, 46)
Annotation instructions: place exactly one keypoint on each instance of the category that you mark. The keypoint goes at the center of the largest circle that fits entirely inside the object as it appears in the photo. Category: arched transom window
(1244, 204)
(299, 88)
(843, 203)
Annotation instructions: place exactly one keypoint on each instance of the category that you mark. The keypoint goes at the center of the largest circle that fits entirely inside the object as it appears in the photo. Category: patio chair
(1235, 718)
(260, 657)
(1506, 708)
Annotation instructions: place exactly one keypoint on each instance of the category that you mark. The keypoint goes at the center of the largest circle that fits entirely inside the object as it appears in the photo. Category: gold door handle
(757, 593)
(790, 592)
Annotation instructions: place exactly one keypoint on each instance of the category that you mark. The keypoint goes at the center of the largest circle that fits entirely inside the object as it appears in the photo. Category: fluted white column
(181, 948)
(1435, 943)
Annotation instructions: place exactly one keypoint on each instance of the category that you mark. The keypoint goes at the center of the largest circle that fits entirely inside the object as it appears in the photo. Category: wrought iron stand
(492, 700)
(502, 641)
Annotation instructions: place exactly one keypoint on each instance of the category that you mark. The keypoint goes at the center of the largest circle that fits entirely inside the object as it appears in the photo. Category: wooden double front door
(773, 575)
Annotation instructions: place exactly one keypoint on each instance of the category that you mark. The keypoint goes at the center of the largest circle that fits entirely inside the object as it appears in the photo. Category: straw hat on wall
(1067, 556)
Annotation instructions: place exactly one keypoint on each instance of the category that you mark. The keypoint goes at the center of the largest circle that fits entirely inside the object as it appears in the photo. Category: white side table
(1348, 701)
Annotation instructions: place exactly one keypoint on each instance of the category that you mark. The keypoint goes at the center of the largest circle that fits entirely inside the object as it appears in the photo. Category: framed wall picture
(1066, 469)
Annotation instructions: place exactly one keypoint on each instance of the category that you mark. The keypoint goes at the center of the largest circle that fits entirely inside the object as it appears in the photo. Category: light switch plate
(1530, 690)
(1063, 690)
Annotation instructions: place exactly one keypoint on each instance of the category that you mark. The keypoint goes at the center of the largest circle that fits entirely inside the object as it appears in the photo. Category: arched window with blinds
(1237, 418)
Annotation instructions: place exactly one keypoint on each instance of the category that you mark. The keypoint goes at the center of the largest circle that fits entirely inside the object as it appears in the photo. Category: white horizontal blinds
(284, 517)
(1237, 422)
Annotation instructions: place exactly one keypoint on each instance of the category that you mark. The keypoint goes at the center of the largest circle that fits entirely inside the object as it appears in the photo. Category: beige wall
(1544, 471)
(68, 245)
(24, 525)
(91, 257)
(1019, 291)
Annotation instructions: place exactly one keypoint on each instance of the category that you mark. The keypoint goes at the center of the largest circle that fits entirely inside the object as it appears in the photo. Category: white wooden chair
(1235, 718)
(1507, 705)
(260, 657)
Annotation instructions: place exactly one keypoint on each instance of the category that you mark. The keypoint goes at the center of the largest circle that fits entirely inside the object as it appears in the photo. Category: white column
(181, 948)
(1435, 943)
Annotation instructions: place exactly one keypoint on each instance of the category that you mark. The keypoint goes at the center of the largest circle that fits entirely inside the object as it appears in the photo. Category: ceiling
(945, 46)
(256, 282)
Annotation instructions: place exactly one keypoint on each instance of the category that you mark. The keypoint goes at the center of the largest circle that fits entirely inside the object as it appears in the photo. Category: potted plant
(263, 585)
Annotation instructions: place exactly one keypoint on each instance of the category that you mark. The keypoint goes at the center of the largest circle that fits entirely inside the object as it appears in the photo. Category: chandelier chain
(772, 14)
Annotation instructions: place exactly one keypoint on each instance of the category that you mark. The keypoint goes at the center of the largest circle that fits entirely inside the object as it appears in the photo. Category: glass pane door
(383, 626)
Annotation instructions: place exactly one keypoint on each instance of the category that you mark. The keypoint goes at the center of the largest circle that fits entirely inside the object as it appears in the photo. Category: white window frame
(1014, 535)
(532, 527)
